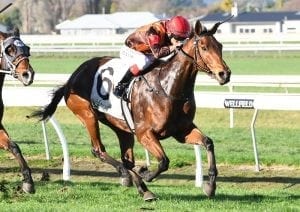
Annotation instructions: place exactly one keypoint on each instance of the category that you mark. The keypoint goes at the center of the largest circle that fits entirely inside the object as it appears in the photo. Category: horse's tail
(46, 112)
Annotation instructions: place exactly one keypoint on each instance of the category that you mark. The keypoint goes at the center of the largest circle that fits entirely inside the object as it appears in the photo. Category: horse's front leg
(152, 144)
(7, 144)
(195, 136)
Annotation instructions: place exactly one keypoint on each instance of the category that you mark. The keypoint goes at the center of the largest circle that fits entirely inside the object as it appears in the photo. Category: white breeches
(131, 57)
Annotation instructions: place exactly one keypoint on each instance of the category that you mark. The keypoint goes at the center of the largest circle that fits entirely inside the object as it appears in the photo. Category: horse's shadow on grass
(245, 198)
(166, 176)
(236, 179)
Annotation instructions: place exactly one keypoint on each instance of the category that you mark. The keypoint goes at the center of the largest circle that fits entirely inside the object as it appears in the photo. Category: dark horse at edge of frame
(162, 105)
(14, 60)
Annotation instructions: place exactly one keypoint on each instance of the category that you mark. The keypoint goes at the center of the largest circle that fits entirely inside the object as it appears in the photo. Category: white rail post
(257, 168)
(46, 141)
(147, 157)
(66, 166)
(231, 124)
(199, 175)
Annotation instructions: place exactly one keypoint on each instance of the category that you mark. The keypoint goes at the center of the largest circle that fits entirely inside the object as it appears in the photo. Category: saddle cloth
(102, 98)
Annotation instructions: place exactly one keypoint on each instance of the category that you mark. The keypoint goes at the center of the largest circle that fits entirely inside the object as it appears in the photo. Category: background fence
(112, 43)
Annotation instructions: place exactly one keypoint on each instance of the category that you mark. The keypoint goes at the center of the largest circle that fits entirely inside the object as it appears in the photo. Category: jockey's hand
(175, 44)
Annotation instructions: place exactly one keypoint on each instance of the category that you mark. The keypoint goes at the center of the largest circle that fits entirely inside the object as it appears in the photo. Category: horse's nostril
(26, 75)
(222, 74)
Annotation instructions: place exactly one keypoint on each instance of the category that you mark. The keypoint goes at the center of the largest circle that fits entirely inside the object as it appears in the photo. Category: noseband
(12, 61)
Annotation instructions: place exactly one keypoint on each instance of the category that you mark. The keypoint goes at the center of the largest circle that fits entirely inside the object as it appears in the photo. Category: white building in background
(106, 24)
(246, 23)
(251, 23)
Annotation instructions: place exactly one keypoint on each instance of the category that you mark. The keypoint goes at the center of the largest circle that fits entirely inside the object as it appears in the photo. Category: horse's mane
(3, 35)
(14, 32)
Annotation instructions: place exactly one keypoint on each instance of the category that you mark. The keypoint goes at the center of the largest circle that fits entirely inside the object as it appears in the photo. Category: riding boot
(123, 84)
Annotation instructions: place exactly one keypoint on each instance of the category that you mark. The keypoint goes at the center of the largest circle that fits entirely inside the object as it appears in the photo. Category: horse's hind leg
(195, 136)
(82, 109)
(7, 144)
(126, 142)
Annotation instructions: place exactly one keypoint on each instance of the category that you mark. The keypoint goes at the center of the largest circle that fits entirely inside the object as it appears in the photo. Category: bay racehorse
(14, 61)
(162, 105)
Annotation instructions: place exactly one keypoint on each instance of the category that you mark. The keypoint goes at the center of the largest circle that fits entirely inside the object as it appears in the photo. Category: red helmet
(179, 27)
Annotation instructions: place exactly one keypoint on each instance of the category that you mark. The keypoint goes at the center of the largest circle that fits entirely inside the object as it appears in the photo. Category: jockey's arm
(175, 45)
(159, 45)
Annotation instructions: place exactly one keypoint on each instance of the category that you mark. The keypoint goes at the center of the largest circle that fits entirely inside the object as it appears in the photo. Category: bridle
(196, 52)
(189, 58)
(11, 62)
(193, 59)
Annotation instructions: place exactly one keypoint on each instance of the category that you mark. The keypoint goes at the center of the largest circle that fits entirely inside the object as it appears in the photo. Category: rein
(3, 71)
(189, 58)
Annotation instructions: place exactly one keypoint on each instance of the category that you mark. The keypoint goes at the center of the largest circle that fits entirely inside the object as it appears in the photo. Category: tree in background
(293, 5)
(49, 13)
(155, 6)
(98, 6)
(12, 19)
(246, 5)
(41, 16)
(279, 4)
(226, 5)
(167, 8)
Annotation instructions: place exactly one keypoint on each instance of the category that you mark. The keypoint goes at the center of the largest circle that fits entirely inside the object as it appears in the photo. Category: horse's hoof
(28, 188)
(144, 173)
(126, 181)
(149, 196)
(210, 189)
(140, 170)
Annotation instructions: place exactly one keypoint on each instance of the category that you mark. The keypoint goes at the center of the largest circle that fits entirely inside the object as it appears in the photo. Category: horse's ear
(214, 29)
(198, 27)
(16, 32)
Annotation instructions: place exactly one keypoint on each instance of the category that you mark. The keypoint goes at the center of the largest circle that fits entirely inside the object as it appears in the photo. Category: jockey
(148, 43)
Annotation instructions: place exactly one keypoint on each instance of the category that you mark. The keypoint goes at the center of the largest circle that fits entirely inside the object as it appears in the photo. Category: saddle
(106, 77)
(102, 98)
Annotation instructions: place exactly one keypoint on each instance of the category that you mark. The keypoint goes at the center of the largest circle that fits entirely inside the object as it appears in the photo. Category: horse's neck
(179, 77)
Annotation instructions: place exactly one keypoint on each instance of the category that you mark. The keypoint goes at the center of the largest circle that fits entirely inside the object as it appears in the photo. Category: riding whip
(4, 8)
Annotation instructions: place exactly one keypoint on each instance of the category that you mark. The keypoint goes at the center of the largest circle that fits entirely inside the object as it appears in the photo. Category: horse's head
(208, 53)
(15, 57)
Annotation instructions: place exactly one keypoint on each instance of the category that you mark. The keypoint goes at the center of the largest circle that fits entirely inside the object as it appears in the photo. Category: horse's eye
(10, 50)
(204, 48)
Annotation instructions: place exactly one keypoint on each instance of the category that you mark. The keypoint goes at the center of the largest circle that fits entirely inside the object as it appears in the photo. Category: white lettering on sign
(239, 103)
